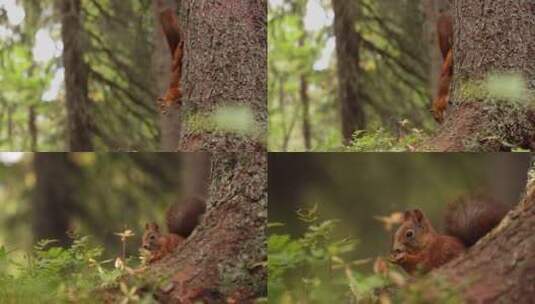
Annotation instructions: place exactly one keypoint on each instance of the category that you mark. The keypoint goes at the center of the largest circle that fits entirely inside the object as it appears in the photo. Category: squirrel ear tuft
(407, 215)
(418, 215)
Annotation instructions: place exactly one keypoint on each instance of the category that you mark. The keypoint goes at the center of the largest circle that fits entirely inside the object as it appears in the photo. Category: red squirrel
(417, 247)
(181, 219)
(159, 244)
(172, 33)
(445, 41)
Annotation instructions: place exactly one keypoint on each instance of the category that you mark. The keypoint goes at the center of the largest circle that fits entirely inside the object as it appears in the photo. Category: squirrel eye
(409, 233)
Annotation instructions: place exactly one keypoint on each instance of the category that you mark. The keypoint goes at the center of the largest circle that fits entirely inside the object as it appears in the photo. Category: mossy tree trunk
(490, 37)
(224, 66)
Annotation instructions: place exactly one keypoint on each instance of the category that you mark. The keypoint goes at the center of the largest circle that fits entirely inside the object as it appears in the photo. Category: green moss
(224, 120)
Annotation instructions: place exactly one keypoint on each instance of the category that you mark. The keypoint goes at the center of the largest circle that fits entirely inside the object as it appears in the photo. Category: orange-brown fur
(172, 33)
(441, 101)
(417, 247)
(440, 250)
(184, 216)
(445, 41)
(424, 249)
(470, 217)
(181, 219)
(445, 33)
(159, 244)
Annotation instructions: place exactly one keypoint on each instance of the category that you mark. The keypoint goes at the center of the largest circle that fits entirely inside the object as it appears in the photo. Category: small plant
(312, 268)
(127, 233)
(51, 274)
(383, 140)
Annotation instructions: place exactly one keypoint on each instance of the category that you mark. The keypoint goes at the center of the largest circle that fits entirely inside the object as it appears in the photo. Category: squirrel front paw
(397, 256)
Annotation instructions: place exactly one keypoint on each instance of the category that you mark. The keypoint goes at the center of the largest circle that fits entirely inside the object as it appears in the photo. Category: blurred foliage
(236, 119)
(359, 188)
(115, 192)
(381, 140)
(314, 268)
(304, 269)
(395, 83)
(510, 87)
(394, 62)
(49, 274)
(118, 34)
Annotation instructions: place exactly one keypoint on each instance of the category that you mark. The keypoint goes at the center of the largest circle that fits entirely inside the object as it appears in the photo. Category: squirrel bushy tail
(182, 217)
(469, 218)
(445, 41)
(417, 247)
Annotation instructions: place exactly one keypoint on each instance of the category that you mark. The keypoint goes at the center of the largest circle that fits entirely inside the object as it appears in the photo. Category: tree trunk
(161, 62)
(226, 255)
(305, 100)
(489, 37)
(195, 174)
(299, 9)
(282, 106)
(500, 268)
(54, 196)
(32, 127)
(76, 72)
(347, 54)
(225, 51)
(287, 128)
(10, 123)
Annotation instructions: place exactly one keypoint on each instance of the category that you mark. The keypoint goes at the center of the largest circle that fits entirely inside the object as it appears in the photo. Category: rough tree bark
(161, 61)
(489, 36)
(226, 256)
(76, 76)
(225, 53)
(347, 55)
(500, 268)
(54, 197)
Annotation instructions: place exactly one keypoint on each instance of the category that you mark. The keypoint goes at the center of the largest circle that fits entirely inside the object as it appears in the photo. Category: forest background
(86, 76)
(361, 75)
(49, 195)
